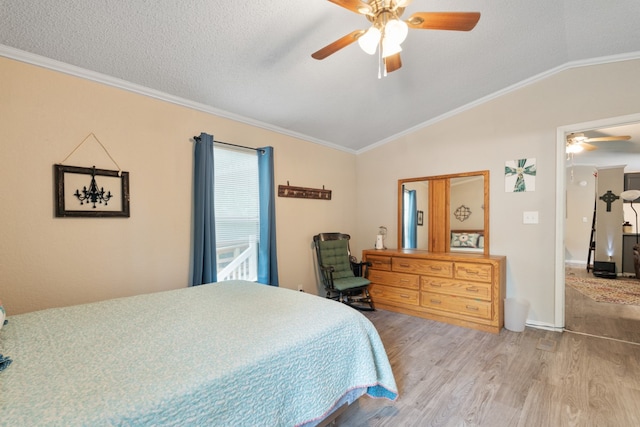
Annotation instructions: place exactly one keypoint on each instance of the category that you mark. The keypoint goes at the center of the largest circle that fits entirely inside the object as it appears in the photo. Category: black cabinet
(632, 182)
(628, 242)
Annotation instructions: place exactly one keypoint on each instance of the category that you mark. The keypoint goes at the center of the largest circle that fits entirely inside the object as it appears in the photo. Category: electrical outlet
(300, 288)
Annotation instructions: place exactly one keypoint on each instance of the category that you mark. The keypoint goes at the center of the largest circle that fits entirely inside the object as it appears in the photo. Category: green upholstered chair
(341, 276)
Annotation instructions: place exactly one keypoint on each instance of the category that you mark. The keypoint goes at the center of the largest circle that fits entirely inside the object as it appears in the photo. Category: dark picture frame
(420, 218)
(66, 198)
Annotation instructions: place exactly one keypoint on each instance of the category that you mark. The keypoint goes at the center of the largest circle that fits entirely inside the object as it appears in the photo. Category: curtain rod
(197, 138)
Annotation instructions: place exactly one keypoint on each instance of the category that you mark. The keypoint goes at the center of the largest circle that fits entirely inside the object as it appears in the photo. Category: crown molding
(41, 61)
(529, 81)
(62, 67)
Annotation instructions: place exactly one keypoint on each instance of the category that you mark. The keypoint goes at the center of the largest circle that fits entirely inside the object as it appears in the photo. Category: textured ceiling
(251, 59)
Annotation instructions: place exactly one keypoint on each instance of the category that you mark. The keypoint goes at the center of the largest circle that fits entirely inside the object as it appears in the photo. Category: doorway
(578, 312)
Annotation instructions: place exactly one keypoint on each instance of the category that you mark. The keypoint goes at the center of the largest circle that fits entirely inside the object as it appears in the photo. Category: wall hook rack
(303, 192)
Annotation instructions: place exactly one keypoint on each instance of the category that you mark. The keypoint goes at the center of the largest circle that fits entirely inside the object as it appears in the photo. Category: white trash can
(515, 314)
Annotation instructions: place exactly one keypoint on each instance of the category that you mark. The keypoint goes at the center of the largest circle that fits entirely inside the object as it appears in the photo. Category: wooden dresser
(463, 289)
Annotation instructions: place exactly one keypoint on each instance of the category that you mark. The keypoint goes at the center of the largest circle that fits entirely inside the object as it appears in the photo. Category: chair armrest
(329, 268)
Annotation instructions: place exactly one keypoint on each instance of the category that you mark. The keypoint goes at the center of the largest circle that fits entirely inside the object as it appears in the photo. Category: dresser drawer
(456, 287)
(399, 280)
(469, 271)
(379, 262)
(454, 304)
(423, 266)
(389, 294)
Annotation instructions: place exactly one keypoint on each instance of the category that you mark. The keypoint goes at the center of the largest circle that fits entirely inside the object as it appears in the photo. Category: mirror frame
(438, 203)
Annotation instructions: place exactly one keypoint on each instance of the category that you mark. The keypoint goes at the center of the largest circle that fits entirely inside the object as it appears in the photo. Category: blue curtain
(204, 224)
(267, 254)
(411, 227)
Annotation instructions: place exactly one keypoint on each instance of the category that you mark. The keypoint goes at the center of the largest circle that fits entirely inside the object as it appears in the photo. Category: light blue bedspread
(226, 354)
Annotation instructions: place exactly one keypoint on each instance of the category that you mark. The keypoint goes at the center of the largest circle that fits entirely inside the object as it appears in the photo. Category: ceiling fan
(388, 31)
(577, 142)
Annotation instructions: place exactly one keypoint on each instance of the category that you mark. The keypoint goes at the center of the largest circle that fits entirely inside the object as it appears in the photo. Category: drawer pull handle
(435, 267)
(435, 285)
(435, 301)
(472, 289)
(470, 271)
(405, 265)
(404, 280)
(471, 307)
(404, 296)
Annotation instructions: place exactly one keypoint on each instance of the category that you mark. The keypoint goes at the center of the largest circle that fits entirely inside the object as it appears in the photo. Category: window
(237, 213)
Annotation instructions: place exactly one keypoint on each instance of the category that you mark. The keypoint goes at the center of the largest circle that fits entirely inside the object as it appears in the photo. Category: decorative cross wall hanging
(609, 198)
(520, 175)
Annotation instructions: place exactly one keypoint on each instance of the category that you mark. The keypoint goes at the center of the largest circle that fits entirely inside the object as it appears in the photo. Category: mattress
(230, 354)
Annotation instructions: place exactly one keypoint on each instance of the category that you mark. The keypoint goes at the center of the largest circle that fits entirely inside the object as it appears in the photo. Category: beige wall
(520, 124)
(47, 261)
(581, 194)
(469, 193)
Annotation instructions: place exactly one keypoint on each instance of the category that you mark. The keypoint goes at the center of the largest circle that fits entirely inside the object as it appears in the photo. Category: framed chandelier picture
(91, 192)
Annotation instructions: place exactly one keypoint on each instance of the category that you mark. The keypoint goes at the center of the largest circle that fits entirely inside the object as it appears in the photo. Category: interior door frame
(561, 200)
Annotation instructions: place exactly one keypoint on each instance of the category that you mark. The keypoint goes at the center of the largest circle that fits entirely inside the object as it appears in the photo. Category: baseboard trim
(543, 326)
(575, 264)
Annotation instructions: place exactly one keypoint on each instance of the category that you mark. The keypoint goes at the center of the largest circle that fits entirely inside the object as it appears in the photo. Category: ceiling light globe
(574, 148)
(390, 48)
(369, 41)
(396, 31)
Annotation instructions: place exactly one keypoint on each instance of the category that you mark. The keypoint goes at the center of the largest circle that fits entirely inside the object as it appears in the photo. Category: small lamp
(631, 195)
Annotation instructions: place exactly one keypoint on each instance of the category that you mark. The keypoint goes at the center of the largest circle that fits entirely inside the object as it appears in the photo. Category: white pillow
(464, 240)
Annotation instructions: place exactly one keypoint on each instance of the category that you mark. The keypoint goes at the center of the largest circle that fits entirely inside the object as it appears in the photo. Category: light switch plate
(530, 217)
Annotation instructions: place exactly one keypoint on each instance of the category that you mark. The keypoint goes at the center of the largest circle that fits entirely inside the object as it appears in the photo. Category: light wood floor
(453, 376)
(582, 314)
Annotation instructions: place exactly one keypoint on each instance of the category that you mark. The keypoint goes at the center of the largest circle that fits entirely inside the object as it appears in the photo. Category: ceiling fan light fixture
(396, 31)
(369, 41)
(390, 48)
(574, 148)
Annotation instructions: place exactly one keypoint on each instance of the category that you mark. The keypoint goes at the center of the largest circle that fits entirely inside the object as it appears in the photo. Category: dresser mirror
(444, 213)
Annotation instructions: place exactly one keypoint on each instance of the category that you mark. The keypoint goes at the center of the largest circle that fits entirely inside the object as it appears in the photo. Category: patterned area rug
(615, 291)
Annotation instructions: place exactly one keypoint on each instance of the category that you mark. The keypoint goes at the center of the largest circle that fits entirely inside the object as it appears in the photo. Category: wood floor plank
(453, 376)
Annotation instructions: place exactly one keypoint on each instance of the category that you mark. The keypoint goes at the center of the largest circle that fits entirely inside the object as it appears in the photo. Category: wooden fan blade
(588, 147)
(393, 62)
(457, 21)
(337, 45)
(354, 6)
(609, 138)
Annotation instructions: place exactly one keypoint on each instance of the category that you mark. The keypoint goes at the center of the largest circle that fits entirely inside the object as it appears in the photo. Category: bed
(467, 241)
(233, 353)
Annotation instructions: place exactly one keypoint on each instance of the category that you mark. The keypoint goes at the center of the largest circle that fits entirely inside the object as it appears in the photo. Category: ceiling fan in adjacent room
(577, 142)
(388, 31)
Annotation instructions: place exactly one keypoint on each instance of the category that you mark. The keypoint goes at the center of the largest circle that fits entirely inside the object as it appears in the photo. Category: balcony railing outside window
(238, 261)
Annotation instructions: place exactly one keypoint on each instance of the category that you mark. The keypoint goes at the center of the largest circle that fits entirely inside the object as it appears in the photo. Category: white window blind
(236, 202)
